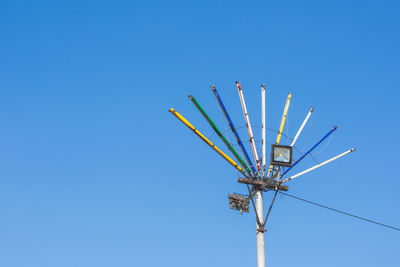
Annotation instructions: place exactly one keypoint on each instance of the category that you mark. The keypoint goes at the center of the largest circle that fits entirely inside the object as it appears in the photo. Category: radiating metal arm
(208, 142)
(263, 133)
(248, 125)
(317, 166)
(218, 132)
(309, 151)
(301, 127)
(235, 133)
(285, 111)
(278, 138)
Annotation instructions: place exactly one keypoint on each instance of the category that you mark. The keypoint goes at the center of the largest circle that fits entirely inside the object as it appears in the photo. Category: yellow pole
(191, 127)
(278, 138)
(285, 111)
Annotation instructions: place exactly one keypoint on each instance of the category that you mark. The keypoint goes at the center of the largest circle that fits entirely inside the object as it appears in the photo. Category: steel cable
(339, 211)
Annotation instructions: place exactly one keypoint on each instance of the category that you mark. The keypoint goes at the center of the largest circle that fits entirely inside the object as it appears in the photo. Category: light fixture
(281, 155)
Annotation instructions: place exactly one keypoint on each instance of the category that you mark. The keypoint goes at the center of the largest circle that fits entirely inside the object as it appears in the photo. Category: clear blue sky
(94, 171)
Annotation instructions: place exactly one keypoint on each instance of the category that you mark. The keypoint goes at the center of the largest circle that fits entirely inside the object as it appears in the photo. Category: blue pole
(311, 149)
(239, 141)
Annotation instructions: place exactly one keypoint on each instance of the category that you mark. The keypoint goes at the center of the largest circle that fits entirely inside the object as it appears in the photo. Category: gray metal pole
(260, 234)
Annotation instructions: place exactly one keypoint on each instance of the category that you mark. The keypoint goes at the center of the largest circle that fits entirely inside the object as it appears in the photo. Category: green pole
(220, 134)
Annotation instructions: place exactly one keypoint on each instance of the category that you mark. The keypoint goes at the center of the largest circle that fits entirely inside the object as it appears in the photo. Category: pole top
(238, 85)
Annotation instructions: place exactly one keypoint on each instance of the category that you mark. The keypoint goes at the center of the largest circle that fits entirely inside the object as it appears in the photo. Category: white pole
(247, 120)
(263, 125)
(259, 194)
(318, 165)
(301, 127)
(260, 234)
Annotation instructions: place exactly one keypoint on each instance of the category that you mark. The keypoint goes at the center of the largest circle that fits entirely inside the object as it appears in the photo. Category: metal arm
(194, 101)
(263, 133)
(318, 165)
(235, 133)
(301, 127)
(278, 138)
(208, 142)
(248, 125)
(311, 149)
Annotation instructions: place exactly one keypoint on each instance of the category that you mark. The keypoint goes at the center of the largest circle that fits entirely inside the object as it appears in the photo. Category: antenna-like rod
(318, 165)
(208, 142)
(235, 133)
(263, 137)
(309, 151)
(218, 132)
(278, 138)
(302, 126)
(248, 125)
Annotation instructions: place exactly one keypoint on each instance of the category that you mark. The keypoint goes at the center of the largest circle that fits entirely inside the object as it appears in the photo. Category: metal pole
(259, 194)
(263, 137)
(302, 126)
(278, 138)
(239, 141)
(260, 230)
(241, 162)
(318, 165)
(208, 142)
(248, 125)
(309, 151)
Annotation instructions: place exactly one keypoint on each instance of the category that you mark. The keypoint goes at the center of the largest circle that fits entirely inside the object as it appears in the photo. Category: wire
(327, 143)
(287, 130)
(342, 212)
(301, 154)
(226, 124)
(308, 133)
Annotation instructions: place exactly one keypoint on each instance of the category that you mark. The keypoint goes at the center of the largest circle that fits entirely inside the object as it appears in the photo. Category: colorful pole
(309, 151)
(248, 125)
(318, 165)
(285, 111)
(208, 142)
(278, 138)
(235, 133)
(302, 126)
(263, 133)
(218, 132)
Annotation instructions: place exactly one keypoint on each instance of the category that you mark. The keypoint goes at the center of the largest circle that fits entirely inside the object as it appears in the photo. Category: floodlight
(281, 155)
